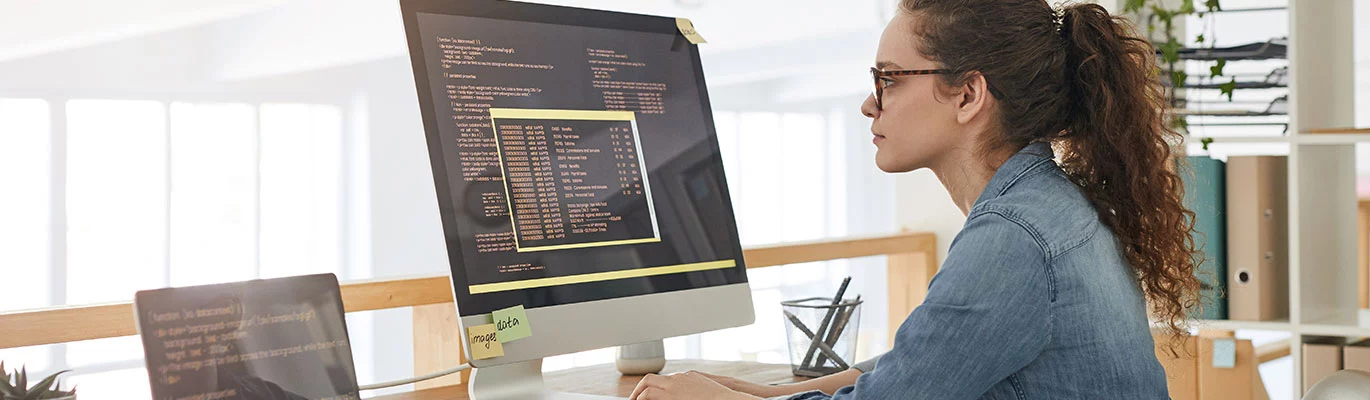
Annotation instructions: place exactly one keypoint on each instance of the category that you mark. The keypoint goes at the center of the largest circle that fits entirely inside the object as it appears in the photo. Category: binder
(1205, 194)
(1257, 238)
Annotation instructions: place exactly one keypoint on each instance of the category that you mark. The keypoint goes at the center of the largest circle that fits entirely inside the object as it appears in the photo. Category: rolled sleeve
(866, 366)
(985, 317)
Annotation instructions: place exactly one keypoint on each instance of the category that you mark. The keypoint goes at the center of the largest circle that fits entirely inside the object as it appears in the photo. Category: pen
(839, 325)
(824, 347)
(827, 319)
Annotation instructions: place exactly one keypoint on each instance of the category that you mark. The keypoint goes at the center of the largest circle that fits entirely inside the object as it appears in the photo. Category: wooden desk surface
(605, 379)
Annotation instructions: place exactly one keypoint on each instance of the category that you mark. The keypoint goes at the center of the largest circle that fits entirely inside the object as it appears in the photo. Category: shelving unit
(1322, 181)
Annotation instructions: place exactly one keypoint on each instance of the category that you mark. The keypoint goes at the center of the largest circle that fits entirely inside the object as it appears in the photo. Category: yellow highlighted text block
(601, 276)
(583, 115)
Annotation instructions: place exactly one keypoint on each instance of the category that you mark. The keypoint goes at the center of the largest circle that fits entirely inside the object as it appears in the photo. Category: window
(156, 195)
(25, 215)
(301, 207)
(116, 156)
(213, 193)
(25, 164)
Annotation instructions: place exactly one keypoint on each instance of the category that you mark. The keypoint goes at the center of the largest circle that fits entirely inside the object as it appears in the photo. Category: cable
(420, 378)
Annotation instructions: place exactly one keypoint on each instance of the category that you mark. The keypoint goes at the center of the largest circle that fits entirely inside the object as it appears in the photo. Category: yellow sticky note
(484, 343)
(512, 324)
(687, 28)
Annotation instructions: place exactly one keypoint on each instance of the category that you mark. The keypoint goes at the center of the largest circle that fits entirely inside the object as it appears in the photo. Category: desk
(605, 380)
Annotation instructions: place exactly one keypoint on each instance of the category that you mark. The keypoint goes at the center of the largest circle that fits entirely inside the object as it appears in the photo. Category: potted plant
(15, 387)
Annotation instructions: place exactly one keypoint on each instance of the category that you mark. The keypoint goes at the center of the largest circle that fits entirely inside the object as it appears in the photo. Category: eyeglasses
(879, 77)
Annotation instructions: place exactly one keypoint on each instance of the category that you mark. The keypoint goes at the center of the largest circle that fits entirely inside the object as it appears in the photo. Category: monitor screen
(574, 155)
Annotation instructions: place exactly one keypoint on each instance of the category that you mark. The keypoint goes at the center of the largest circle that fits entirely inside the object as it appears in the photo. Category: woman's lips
(877, 139)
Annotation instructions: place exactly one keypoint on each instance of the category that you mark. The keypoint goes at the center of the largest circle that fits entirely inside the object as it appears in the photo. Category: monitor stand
(522, 380)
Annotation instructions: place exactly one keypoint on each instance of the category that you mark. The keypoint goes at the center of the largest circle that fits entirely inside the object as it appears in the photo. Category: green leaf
(1178, 78)
(1217, 70)
(1213, 5)
(1206, 141)
(7, 390)
(1187, 7)
(1200, 39)
(1178, 122)
(1134, 5)
(1162, 13)
(1228, 87)
(1170, 51)
(46, 384)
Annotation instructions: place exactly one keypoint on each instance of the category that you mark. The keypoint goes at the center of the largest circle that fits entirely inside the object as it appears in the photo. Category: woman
(1045, 292)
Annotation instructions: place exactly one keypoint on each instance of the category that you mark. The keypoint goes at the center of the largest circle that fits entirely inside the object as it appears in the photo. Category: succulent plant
(18, 389)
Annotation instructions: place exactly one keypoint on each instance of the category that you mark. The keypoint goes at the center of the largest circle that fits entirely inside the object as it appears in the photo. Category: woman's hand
(689, 385)
(754, 389)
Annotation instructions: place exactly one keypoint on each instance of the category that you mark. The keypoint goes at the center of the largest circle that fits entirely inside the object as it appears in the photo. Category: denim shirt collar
(1014, 169)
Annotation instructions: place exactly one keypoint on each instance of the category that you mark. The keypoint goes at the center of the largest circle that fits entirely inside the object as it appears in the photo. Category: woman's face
(913, 128)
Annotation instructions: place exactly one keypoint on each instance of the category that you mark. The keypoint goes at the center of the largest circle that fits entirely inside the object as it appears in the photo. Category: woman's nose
(868, 107)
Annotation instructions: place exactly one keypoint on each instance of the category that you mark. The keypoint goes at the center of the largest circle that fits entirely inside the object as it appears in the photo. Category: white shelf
(1331, 138)
(1307, 138)
(1276, 326)
(1348, 324)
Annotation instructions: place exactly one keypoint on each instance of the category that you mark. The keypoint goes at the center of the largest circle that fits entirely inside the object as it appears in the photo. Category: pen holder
(821, 335)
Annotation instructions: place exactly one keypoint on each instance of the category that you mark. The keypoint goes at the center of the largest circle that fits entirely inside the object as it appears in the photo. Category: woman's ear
(974, 100)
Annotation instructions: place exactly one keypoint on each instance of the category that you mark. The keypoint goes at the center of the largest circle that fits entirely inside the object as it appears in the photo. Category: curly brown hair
(1086, 82)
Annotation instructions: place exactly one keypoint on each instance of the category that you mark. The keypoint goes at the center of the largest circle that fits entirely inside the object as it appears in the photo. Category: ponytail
(1118, 149)
(1085, 81)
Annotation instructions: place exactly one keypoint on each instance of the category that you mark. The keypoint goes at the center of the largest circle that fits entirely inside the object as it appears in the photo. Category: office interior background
(153, 143)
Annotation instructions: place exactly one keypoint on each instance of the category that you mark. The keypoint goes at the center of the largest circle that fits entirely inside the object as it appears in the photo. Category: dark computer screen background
(679, 149)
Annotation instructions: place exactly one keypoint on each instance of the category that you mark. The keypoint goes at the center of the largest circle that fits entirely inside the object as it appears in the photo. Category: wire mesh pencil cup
(821, 335)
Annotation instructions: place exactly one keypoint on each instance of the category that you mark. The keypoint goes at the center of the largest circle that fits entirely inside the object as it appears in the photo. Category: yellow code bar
(601, 276)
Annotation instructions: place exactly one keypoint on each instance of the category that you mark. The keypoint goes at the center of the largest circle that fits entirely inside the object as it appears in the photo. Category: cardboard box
(1236, 383)
(1356, 356)
(1181, 370)
(1191, 375)
(1321, 357)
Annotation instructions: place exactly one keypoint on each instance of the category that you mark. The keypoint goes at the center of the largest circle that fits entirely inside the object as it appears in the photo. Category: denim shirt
(1034, 301)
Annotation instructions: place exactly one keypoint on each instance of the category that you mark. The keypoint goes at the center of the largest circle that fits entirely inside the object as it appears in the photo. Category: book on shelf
(1205, 194)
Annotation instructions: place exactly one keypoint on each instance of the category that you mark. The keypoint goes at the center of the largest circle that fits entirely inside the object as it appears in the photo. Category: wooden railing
(912, 261)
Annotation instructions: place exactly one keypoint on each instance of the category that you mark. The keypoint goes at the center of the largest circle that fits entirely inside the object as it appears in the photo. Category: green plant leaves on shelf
(1187, 7)
(1213, 5)
(1217, 69)
(1178, 77)
(1205, 142)
(1134, 5)
(1170, 51)
(1179, 123)
(1228, 87)
(1200, 39)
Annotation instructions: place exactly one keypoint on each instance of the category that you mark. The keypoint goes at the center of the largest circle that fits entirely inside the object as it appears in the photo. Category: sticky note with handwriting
(687, 28)
(484, 343)
(512, 324)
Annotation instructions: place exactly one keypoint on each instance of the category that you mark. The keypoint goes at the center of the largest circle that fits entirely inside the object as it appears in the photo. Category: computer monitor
(578, 174)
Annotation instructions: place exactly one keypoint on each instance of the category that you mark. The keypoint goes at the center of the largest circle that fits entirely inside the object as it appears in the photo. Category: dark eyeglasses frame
(877, 73)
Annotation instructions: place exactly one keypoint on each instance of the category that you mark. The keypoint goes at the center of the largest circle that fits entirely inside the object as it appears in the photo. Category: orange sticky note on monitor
(484, 342)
